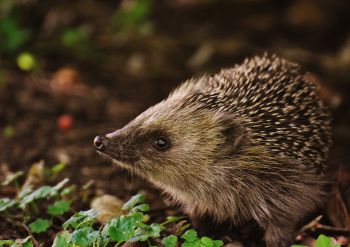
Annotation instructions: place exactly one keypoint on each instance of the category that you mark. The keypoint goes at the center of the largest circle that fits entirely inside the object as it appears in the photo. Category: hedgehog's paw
(279, 235)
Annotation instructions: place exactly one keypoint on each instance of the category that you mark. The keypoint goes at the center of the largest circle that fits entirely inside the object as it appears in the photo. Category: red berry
(65, 122)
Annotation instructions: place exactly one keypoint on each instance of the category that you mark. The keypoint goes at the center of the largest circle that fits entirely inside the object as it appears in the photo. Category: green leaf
(134, 200)
(24, 192)
(6, 242)
(6, 203)
(118, 236)
(58, 168)
(207, 242)
(43, 192)
(143, 208)
(136, 216)
(95, 237)
(170, 241)
(218, 243)
(190, 236)
(324, 241)
(155, 230)
(40, 193)
(27, 242)
(40, 225)
(52, 172)
(196, 243)
(170, 219)
(59, 208)
(81, 236)
(68, 190)
(144, 231)
(62, 240)
(81, 219)
(130, 228)
(121, 229)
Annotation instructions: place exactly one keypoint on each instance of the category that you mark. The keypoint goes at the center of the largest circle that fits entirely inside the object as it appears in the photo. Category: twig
(36, 244)
(315, 226)
(332, 231)
(311, 225)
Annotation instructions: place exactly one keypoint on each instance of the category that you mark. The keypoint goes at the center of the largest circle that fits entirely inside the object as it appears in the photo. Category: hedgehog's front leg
(279, 234)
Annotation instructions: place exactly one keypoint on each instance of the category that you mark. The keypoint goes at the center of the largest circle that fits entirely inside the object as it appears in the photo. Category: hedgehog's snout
(100, 143)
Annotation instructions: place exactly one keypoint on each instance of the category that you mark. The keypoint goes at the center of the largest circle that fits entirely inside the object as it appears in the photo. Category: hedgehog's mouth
(120, 163)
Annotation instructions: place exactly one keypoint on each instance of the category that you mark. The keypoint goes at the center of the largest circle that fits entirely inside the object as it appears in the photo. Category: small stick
(36, 244)
(332, 231)
(311, 225)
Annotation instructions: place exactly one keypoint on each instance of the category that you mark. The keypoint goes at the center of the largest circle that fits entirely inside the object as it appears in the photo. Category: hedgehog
(248, 144)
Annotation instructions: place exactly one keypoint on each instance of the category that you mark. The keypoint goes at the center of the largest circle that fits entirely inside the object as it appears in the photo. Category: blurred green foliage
(73, 37)
(77, 41)
(68, 38)
(12, 36)
(133, 16)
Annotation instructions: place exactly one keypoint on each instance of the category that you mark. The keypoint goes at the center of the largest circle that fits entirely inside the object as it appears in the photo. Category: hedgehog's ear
(234, 135)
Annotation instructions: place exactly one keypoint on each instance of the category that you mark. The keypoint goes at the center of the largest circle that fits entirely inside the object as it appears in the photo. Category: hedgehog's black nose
(99, 143)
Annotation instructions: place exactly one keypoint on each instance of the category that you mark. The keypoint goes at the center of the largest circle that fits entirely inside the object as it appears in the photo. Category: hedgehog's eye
(162, 143)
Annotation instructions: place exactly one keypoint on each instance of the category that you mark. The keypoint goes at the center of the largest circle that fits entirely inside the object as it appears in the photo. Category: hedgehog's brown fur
(249, 143)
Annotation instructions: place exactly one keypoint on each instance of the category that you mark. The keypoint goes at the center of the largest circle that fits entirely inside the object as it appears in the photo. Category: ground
(115, 70)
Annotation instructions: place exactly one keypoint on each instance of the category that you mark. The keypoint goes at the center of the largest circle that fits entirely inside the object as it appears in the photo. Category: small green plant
(322, 241)
(40, 225)
(130, 227)
(25, 211)
(39, 210)
(27, 242)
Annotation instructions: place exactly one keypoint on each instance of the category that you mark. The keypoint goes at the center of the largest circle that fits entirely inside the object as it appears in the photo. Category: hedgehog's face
(172, 147)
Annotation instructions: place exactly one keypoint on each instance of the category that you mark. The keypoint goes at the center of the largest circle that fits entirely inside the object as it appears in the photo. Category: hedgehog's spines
(273, 97)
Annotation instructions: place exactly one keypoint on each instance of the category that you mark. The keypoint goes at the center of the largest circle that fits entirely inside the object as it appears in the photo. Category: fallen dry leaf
(35, 176)
(107, 207)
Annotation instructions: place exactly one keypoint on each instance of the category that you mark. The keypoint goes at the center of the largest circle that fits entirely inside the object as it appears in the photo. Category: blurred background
(70, 70)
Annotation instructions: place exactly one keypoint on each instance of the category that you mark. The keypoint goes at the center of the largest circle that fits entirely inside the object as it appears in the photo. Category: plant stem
(36, 244)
